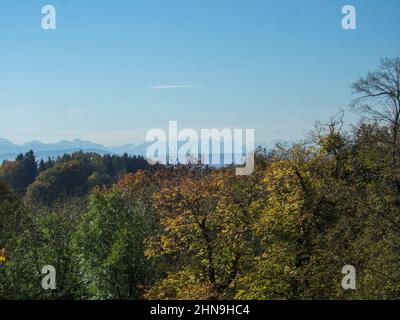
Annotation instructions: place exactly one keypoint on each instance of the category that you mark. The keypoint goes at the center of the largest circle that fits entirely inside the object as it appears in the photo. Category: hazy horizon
(274, 67)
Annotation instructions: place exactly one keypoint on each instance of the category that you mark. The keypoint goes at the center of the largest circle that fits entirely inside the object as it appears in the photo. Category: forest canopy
(115, 227)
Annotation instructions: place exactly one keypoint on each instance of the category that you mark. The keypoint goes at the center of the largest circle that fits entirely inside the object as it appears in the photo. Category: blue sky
(114, 69)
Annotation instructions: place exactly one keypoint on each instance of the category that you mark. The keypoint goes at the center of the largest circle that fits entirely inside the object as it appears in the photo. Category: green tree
(21, 173)
(64, 179)
(110, 243)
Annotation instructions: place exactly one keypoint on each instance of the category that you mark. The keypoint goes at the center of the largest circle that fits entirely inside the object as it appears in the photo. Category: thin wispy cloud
(175, 86)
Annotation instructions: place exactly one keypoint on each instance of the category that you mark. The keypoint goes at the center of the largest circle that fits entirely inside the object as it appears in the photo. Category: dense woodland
(115, 227)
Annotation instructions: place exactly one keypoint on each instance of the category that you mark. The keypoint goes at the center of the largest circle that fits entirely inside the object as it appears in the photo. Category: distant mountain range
(9, 150)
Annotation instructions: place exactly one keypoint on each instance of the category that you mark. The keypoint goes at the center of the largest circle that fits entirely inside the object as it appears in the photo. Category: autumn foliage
(115, 231)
